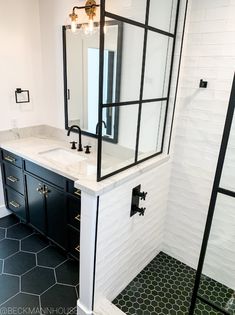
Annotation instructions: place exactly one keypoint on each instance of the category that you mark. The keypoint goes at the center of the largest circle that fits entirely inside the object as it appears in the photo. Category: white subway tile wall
(209, 54)
(126, 245)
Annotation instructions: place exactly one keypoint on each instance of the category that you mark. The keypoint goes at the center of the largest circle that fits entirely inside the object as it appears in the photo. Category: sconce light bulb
(90, 26)
(73, 18)
(73, 26)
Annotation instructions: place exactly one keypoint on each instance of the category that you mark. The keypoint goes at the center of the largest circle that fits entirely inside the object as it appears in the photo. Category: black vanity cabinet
(14, 185)
(36, 204)
(43, 199)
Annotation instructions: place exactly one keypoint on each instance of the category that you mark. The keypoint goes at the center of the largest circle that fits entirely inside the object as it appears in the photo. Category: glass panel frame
(141, 101)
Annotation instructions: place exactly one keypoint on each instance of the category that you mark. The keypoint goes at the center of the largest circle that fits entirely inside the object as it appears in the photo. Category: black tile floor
(35, 277)
(165, 287)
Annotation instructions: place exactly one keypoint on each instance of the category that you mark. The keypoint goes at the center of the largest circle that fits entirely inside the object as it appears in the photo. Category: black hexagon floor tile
(26, 304)
(165, 287)
(68, 273)
(8, 248)
(19, 263)
(60, 299)
(50, 257)
(2, 233)
(37, 280)
(19, 231)
(34, 243)
(8, 221)
(9, 286)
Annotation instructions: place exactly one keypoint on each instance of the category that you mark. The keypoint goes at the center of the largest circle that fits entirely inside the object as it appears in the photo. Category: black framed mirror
(81, 79)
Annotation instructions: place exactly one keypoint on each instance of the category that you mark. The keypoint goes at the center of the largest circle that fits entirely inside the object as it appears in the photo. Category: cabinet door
(36, 204)
(56, 216)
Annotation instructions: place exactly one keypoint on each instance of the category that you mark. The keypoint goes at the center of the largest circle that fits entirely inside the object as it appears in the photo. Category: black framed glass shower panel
(143, 97)
(216, 190)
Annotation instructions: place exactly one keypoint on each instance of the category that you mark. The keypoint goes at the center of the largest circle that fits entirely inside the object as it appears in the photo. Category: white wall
(20, 63)
(54, 14)
(126, 245)
(209, 54)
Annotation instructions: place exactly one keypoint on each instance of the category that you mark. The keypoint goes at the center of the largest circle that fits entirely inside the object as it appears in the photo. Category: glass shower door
(214, 291)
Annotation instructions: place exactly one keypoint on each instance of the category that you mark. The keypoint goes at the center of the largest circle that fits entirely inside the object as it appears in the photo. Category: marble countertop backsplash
(30, 143)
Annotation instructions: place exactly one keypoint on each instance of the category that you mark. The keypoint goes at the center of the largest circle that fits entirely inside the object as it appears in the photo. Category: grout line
(46, 267)
(11, 255)
(55, 276)
(66, 259)
(48, 289)
(43, 249)
(33, 294)
(9, 299)
(68, 285)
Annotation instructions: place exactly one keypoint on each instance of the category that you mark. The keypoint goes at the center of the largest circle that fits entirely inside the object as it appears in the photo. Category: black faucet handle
(87, 147)
(142, 211)
(73, 147)
(143, 195)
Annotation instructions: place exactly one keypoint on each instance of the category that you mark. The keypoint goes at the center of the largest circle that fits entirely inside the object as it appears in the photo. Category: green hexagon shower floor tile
(165, 287)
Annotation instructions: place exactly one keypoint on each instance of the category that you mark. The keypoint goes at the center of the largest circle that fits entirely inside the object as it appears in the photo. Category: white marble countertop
(83, 173)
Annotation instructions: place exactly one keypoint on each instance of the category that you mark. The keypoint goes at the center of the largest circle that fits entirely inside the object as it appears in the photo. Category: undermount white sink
(62, 156)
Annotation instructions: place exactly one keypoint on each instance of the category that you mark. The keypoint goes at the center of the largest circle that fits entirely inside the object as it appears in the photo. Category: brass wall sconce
(90, 9)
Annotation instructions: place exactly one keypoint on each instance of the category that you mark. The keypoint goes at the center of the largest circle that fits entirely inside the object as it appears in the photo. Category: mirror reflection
(81, 78)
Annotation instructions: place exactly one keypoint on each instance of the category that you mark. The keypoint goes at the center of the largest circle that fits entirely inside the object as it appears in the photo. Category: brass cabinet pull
(14, 204)
(12, 179)
(46, 191)
(43, 190)
(78, 192)
(78, 217)
(77, 248)
(40, 189)
(9, 159)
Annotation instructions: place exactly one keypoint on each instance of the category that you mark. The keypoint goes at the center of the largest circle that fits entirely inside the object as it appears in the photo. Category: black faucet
(80, 136)
(97, 126)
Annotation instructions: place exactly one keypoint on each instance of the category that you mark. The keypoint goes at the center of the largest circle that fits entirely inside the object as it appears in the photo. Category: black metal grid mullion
(101, 81)
(142, 80)
(141, 101)
(226, 192)
(127, 103)
(178, 77)
(171, 73)
(138, 24)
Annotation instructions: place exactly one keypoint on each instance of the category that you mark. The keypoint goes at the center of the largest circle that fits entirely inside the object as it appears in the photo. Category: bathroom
(139, 218)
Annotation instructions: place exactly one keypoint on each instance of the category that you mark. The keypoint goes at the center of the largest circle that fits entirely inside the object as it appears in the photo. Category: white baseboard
(106, 307)
(4, 212)
(82, 310)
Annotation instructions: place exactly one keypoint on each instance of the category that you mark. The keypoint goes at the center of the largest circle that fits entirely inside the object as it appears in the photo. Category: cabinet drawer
(74, 242)
(16, 203)
(72, 190)
(14, 178)
(74, 211)
(45, 174)
(11, 158)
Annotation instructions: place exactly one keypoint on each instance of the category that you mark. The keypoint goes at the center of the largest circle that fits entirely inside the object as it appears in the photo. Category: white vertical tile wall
(126, 245)
(209, 54)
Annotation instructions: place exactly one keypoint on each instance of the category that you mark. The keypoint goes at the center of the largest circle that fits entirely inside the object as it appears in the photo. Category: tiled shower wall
(209, 54)
(126, 245)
